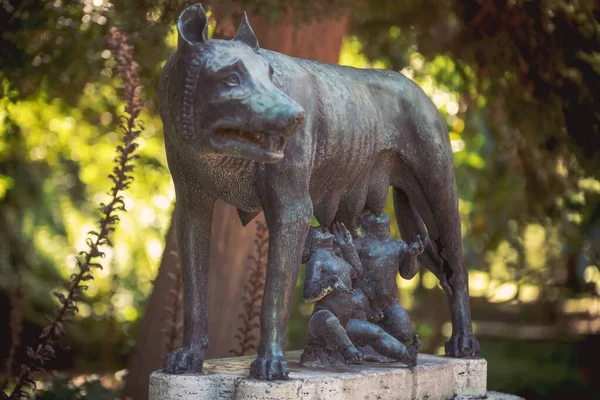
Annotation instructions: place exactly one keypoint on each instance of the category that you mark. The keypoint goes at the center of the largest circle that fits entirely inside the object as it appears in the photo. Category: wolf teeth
(274, 143)
(268, 142)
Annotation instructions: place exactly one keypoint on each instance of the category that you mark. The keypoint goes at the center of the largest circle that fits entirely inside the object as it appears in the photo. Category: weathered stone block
(435, 377)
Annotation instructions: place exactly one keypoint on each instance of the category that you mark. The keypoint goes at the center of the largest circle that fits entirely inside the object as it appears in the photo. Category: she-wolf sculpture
(296, 138)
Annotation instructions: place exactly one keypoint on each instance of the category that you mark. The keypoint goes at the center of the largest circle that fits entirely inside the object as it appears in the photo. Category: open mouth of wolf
(257, 146)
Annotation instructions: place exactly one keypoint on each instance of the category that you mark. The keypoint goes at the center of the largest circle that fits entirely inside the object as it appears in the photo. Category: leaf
(31, 354)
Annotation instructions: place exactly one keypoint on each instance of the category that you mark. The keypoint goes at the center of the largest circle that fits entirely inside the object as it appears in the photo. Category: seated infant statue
(340, 319)
(381, 258)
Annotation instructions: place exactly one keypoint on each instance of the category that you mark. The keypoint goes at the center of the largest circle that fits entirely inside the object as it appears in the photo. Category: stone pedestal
(435, 377)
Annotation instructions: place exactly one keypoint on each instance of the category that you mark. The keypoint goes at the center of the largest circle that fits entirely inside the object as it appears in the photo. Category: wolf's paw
(269, 367)
(462, 346)
(186, 359)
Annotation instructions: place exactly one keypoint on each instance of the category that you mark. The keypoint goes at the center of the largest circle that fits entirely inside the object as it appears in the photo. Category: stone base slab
(435, 377)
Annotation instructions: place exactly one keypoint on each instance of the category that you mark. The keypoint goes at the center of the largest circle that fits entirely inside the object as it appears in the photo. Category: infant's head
(376, 223)
(318, 238)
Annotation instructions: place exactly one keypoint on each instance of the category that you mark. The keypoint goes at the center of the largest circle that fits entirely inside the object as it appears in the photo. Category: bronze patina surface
(296, 138)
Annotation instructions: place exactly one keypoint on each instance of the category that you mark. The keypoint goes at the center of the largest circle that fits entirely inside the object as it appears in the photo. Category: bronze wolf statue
(296, 138)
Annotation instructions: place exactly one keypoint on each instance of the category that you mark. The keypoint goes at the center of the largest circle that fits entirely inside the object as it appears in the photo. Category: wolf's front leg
(288, 219)
(193, 226)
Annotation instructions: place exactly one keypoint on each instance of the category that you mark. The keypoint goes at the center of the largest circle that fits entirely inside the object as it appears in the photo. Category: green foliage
(537, 54)
(62, 388)
(273, 10)
(514, 81)
(536, 370)
(58, 143)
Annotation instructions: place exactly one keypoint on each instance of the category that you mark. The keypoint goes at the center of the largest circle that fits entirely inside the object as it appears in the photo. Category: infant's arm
(316, 284)
(343, 239)
(408, 265)
(320, 281)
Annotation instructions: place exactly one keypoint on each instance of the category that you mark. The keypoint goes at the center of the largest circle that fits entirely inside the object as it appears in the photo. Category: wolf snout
(296, 119)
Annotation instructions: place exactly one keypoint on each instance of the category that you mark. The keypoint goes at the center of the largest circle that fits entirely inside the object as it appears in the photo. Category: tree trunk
(231, 244)
(319, 40)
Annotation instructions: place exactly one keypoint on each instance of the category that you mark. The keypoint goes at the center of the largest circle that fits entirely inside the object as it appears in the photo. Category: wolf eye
(232, 80)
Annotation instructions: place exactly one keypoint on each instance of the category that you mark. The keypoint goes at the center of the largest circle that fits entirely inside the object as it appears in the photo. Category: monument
(298, 139)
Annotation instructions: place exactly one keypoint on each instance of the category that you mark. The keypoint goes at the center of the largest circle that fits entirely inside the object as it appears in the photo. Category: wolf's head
(228, 103)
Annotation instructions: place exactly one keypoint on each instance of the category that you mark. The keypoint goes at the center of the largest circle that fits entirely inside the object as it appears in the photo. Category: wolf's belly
(350, 189)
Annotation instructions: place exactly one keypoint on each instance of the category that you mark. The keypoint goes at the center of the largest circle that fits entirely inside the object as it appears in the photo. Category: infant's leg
(366, 333)
(396, 322)
(325, 328)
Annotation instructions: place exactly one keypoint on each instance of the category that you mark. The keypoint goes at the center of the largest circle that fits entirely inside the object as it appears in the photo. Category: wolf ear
(192, 25)
(245, 34)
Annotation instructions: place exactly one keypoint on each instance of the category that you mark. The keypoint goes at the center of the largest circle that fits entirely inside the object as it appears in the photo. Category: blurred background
(518, 83)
